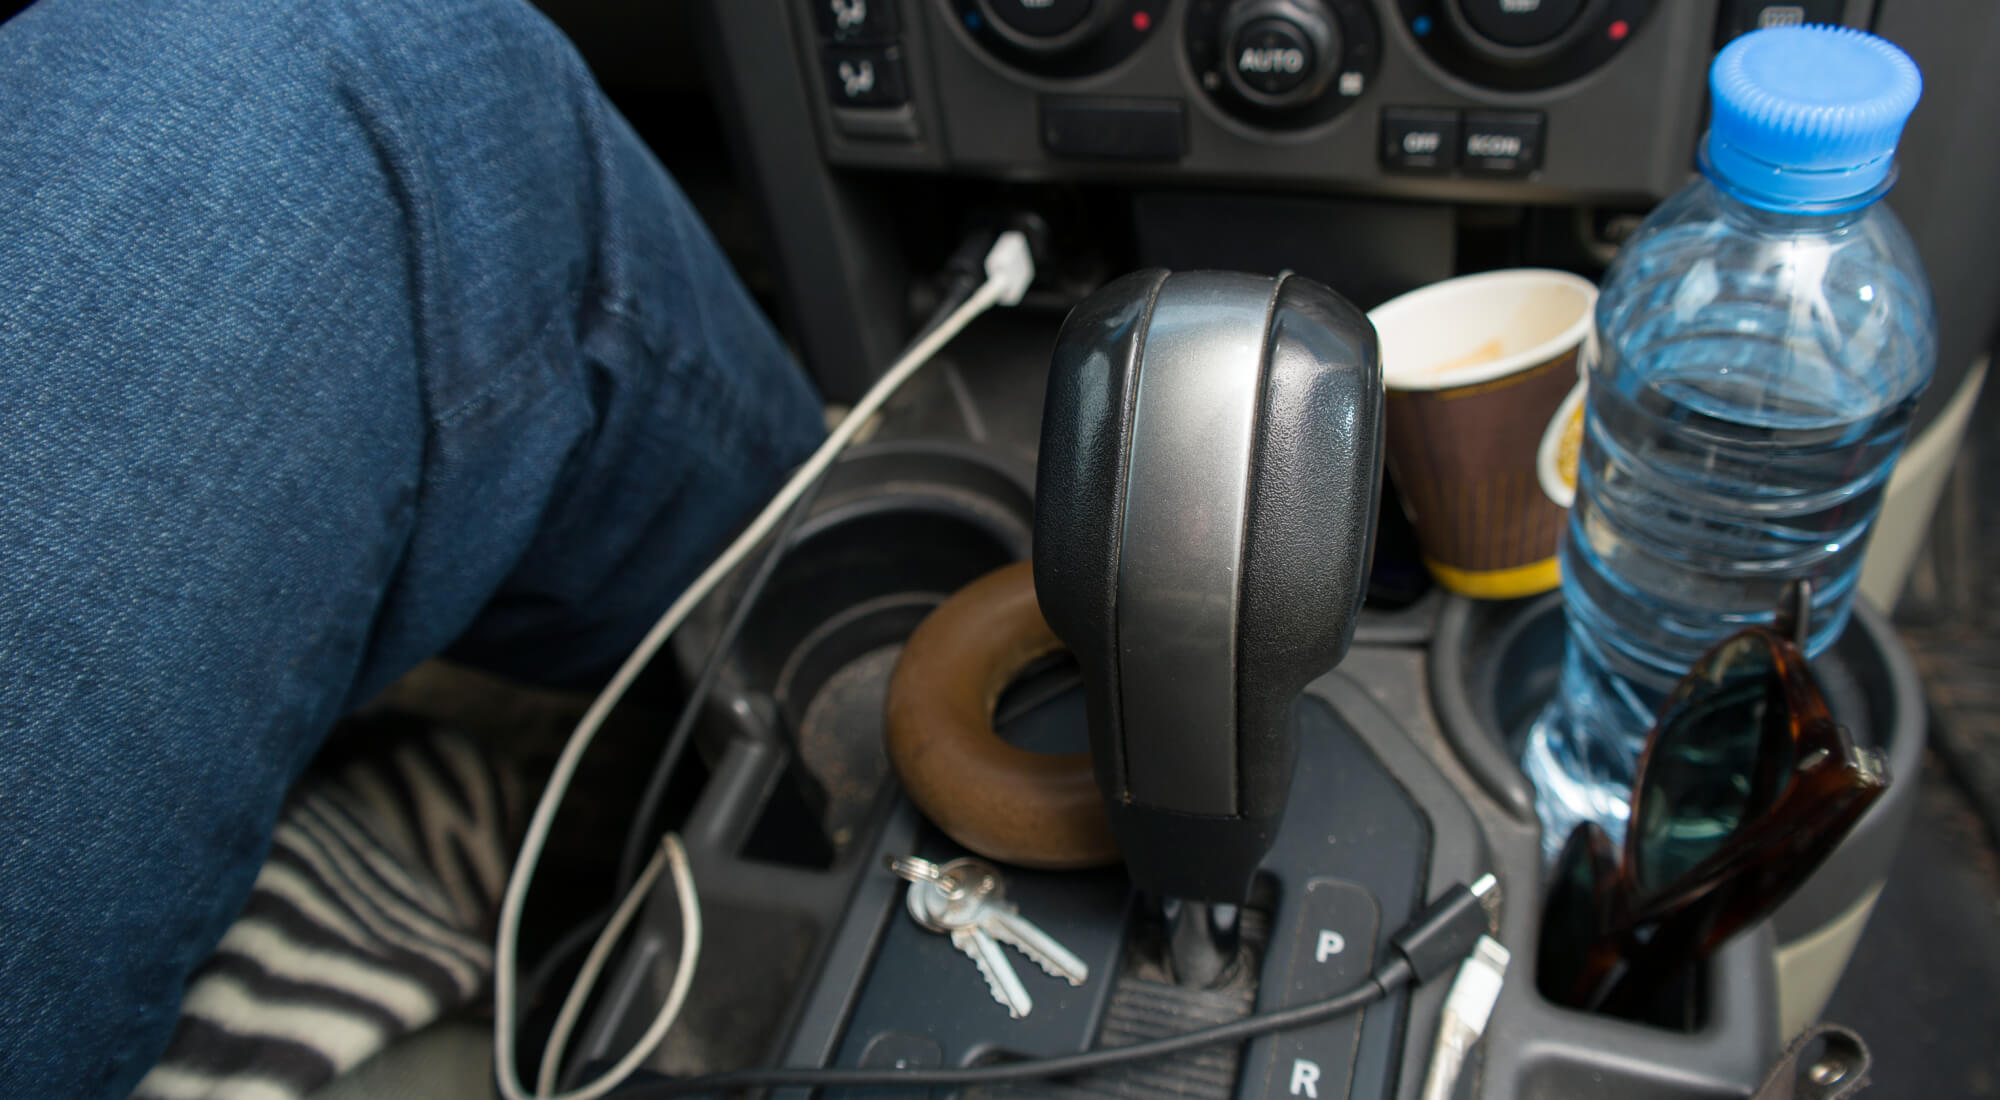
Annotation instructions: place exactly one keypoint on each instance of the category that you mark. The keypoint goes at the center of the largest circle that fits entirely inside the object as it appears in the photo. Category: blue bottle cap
(1808, 115)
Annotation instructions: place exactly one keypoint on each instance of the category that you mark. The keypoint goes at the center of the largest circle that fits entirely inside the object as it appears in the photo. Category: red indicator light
(1142, 21)
(1618, 30)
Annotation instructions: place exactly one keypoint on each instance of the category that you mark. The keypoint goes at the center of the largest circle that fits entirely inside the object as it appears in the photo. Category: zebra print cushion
(370, 920)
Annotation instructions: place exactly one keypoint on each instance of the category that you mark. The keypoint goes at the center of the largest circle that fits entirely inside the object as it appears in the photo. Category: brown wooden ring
(1005, 803)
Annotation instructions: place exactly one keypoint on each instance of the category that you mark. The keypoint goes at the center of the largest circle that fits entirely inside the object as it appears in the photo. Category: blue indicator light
(1421, 25)
(972, 21)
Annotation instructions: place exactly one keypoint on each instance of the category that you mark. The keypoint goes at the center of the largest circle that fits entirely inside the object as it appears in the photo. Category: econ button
(1419, 139)
(1502, 143)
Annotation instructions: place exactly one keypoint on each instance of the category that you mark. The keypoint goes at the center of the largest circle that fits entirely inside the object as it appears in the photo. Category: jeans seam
(505, 375)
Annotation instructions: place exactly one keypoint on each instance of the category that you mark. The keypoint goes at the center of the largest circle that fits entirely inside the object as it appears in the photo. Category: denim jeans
(334, 334)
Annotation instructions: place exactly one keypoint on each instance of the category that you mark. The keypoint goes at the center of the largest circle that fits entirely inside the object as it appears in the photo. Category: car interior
(863, 163)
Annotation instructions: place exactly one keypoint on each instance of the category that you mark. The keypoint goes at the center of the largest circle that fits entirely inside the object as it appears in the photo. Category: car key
(1003, 921)
(966, 899)
(949, 899)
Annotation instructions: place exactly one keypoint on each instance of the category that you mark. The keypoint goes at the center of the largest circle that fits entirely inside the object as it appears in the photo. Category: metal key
(1003, 921)
(948, 899)
(966, 899)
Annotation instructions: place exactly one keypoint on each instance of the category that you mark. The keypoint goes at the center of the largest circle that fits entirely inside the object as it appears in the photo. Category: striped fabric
(370, 920)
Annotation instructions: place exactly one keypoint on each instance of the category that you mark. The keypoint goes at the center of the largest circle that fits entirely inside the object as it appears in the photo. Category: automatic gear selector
(1205, 511)
(1206, 491)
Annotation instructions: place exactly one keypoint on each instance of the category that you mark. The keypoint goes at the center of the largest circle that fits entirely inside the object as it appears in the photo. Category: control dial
(1058, 39)
(1283, 64)
(1280, 53)
(1527, 26)
(1518, 45)
(1047, 26)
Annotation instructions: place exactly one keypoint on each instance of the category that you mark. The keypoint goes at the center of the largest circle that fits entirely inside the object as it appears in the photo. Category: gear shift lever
(1205, 511)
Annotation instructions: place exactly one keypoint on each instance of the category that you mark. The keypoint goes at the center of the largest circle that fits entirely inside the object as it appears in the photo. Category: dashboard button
(1040, 18)
(856, 20)
(1743, 16)
(1273, 56)
(864, 76)
(878, 123)
(1419, 139)
(1502, 143)
(1115, 129)
(1280, 54)
(1520, 23)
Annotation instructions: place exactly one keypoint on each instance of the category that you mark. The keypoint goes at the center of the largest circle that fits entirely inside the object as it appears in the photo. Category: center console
(1402, 784)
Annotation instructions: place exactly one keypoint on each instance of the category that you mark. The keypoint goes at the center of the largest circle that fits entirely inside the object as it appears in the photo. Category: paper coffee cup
(1475, 368)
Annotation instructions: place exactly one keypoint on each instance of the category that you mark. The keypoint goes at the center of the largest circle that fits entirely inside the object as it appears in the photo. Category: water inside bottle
(1702, 491)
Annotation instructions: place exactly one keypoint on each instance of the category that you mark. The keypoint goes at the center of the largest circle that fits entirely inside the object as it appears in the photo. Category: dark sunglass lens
(1697, 787)
(1573, 951)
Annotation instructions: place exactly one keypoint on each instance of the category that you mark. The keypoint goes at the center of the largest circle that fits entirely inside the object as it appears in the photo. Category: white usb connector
(1010, 266)
(1466, 1009)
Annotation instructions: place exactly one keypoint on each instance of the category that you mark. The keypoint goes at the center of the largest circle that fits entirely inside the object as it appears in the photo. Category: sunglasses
(1745, 785)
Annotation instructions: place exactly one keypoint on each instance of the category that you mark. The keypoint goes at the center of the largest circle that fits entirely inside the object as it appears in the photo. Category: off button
(1419, 139)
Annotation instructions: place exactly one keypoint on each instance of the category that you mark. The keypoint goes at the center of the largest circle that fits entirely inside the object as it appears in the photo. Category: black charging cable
(1432, 944)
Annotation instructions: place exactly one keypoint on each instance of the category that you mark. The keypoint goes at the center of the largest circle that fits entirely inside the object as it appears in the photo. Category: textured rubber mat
(1144, 1005)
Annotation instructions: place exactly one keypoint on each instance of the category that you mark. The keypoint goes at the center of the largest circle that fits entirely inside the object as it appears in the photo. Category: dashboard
(1375, 145)
(1521, 100)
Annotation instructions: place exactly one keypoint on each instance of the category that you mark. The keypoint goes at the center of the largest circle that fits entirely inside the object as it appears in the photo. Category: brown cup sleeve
(1464, 461)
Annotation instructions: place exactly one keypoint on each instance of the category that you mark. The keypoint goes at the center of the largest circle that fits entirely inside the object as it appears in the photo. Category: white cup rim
(1428, 300)
(1548, 454)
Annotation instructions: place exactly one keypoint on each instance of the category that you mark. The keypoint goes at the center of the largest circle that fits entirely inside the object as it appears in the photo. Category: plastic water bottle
(1760, 344)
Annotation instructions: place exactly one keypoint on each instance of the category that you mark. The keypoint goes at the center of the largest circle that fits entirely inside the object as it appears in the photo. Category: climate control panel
(1479, 100)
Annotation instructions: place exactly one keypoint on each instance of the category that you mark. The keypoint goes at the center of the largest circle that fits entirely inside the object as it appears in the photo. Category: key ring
(918, 869)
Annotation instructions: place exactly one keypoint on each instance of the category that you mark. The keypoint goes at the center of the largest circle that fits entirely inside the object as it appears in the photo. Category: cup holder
(1494, 665)
(790, 767)
(896, 528)
(859, 576)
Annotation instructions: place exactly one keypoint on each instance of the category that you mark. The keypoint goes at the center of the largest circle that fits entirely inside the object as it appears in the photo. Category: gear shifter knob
(1205, 511)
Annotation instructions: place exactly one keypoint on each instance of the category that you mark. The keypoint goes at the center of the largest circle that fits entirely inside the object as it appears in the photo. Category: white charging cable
(672, 853)
(1009, 269)
(1466, 1009)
